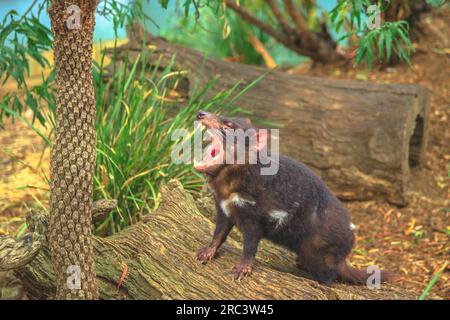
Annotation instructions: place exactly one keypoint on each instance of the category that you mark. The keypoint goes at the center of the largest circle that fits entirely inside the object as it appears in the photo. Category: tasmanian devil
(291, 207)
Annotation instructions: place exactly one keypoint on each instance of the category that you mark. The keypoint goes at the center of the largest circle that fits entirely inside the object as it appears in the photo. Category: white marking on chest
(280, 216)
(352, 226)
(314, 214)
(236, 200)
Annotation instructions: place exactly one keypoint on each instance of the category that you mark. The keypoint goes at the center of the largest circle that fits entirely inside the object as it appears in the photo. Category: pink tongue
(210, 152)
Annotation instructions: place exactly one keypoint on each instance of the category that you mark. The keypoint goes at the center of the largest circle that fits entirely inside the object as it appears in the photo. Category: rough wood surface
(361, 138)
(16, 254)
(160, 256)
(73, 154)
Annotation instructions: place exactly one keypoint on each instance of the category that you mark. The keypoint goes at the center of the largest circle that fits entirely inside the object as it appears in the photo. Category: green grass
(431, 284)
(136, 117)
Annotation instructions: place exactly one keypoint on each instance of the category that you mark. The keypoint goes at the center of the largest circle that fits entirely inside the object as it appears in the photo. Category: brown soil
(413, 241)
(24, 168)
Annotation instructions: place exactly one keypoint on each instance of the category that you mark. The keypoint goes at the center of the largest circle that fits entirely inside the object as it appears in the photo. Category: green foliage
(220, 34)
(348, 11)
(418, 235)
(136, 115)
(136, 118)
(188, 4)
(121, 14)
(446, 230)
(436, 3)
(135, 121)
(381, 42)
(23, 37)
(391, 37)
(224, 34)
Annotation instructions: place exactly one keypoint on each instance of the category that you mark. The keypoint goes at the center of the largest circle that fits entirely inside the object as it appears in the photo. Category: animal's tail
(349, 274)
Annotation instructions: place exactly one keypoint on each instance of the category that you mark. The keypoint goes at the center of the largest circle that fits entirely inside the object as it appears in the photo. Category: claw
(206, 254)
(242, 270)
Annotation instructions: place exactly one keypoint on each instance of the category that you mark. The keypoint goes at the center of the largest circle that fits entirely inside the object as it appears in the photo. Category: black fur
(317, 227)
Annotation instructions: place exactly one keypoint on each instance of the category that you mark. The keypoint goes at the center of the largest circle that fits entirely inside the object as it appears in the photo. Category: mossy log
(361, 138)
(160, 257)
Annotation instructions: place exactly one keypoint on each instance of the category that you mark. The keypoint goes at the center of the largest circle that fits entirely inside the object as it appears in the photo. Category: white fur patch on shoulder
(236, 200)
(224, 206)
(280, 216)
(239, 201)
(352, 226)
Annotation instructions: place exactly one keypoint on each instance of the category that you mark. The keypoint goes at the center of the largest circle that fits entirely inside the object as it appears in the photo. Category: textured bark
(16, 254)
(160, 256)
(73, 155)
(361, 138)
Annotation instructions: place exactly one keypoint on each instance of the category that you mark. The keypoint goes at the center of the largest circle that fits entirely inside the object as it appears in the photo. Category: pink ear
(262, 137)
(247, 121)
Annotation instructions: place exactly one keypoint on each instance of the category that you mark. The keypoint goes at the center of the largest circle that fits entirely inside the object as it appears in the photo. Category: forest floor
(413, 241)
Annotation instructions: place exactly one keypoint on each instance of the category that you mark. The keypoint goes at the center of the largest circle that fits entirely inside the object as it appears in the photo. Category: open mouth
(212, 154)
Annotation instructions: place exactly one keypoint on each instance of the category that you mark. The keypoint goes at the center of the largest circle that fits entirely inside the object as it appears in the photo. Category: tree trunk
(73, 155)
(158, 256)
(361, 138)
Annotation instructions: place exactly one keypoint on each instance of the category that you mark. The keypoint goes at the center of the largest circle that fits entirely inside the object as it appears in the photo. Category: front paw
(242, 270)
(206, 254)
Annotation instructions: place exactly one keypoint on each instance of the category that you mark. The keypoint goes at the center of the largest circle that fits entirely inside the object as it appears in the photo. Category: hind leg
(309, 272)
(321, 264)
(320, 271)
(323, 273)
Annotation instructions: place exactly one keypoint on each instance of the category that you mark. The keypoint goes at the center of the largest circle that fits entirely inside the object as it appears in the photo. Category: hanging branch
(288, 30)
(301, 40)
(255, 21)
(250, 18)
(302, 26)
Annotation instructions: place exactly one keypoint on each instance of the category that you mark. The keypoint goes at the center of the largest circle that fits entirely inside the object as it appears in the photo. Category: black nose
(201, 114)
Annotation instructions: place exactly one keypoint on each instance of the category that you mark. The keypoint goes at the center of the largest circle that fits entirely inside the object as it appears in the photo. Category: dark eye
(229, 124)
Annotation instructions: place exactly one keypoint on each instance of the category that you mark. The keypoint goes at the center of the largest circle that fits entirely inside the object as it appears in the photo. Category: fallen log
(159, 255)
(361, 138)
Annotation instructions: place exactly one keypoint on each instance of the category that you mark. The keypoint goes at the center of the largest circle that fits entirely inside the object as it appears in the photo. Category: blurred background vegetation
(134, 117)
(138, 108)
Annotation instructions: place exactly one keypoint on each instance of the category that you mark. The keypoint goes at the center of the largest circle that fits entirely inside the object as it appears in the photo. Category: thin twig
(30, 8)
(257, 22)
(306, 42)
(302, 27)
(259, 47)
(288, 30)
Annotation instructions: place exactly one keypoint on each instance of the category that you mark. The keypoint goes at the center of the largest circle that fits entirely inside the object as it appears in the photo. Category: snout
(209, 120)
(201, 115)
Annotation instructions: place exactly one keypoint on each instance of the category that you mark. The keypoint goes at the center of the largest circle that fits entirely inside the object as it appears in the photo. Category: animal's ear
(244, 123)
(247, 122)
(262, 136)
